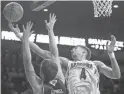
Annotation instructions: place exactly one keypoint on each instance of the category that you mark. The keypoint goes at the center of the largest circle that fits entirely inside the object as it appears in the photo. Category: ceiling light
(45, 10)
(115, 6)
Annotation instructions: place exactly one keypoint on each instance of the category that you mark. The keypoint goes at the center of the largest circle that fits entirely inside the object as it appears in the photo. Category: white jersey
(83, 78)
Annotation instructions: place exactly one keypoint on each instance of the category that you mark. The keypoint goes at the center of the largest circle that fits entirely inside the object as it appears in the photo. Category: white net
(102, 8)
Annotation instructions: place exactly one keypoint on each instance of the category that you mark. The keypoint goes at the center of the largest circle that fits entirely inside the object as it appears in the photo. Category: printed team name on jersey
(81, 65)
(58, 91)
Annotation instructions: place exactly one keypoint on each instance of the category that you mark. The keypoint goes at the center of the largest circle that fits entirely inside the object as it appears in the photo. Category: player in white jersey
(83, 76)
(86, 84)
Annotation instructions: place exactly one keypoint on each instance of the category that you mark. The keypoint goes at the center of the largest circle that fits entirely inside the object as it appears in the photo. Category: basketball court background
(74, 19)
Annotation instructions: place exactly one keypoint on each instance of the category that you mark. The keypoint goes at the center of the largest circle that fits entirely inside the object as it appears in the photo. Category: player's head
(81, 53)
(48, 70)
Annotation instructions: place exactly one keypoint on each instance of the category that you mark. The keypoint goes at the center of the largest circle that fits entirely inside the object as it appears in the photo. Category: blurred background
(74, 19)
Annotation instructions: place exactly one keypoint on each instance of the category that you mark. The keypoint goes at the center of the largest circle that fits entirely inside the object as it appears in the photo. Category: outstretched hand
(27, 30)
(110, 48)
(15, 29)
(52, 20)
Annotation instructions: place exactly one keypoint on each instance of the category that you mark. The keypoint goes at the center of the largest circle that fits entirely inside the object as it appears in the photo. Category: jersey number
(83, 74)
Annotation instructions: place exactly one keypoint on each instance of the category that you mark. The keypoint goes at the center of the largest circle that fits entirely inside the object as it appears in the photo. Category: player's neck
(80, 59)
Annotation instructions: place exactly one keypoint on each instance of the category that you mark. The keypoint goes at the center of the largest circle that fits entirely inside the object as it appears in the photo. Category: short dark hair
(48, 70)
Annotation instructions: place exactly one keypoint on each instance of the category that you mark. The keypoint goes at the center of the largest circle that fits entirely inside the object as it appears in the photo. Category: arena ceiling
(74, 19)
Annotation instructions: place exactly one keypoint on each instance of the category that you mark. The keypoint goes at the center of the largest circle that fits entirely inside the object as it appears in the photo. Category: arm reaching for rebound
(53, 46)
(52, 43)
(36, 49)
(113, 72)
(33, 79)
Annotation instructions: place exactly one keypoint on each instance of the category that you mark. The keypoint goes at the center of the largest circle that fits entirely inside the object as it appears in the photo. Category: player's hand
(27, 31)
(110, 48)
(52, 20)
(15, 29)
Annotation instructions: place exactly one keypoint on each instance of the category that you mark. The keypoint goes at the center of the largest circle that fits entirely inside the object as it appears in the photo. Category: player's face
(78, 53)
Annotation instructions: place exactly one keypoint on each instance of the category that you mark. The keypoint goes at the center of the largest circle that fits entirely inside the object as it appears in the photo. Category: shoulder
(98, 64)
(64, 61)
(64, 58)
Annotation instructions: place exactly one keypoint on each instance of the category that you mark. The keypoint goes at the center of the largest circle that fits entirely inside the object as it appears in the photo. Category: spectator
(20, 61)
(6, 59)
(21, 72)
(3, 86)
(14, 61)
(17, 78)
(108, 91)
(9, 85)
(13, 73)
(6, 71)
(24, 85)
(14, 91)
(116, 88)
(122, 84)
(28, 91)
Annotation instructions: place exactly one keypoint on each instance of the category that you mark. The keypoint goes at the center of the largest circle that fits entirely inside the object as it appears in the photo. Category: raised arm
(29, 69)
(113, 72)
(53, 46)
(52, 42)
(36, 49)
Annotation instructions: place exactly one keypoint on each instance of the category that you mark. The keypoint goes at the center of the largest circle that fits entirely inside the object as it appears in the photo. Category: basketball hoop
(102, 8)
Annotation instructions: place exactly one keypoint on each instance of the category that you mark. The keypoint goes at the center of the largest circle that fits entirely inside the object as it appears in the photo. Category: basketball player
(45, 85)
(83, 74)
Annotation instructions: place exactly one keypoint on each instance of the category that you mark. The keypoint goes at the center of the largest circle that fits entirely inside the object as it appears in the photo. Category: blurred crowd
(14, 80)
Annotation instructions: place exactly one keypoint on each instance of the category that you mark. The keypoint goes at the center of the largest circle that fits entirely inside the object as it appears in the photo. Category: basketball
(13, 12)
